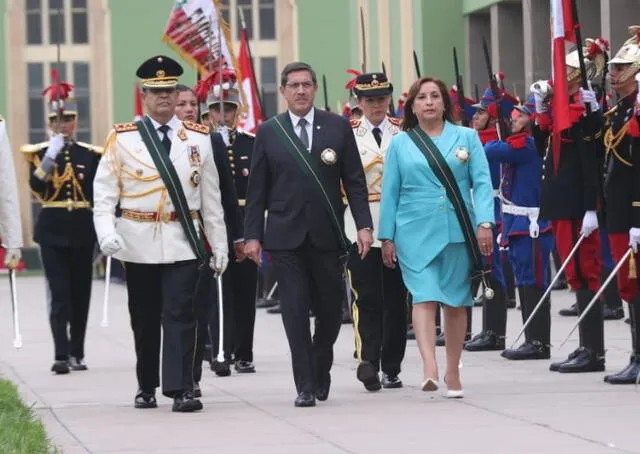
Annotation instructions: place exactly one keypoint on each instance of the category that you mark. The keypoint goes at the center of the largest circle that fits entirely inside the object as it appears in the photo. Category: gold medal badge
(195, 178)
(329, 156)
(462, 154)
(182, 134)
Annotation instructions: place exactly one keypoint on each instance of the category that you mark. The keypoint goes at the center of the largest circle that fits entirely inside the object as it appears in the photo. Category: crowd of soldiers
(179, 198)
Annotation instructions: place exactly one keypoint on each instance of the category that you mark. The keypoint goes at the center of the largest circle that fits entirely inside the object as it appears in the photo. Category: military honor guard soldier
(61, 173)
(379, 309)
(161, 172)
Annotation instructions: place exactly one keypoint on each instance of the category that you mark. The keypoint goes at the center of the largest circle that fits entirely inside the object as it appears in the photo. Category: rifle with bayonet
(493, 83)
(460, 89)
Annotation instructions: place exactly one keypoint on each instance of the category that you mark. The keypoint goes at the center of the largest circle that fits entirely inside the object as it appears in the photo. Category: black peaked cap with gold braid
(159, 72)
(372, 84)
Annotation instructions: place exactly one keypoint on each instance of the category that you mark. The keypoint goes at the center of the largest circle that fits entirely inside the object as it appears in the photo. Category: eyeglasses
(297, 85)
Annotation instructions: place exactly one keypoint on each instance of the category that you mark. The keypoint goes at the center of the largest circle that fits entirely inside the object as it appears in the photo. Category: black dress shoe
(264, 302)
(77, 364)
(484, 342)
(391, 382)
(322, 390)
(628, 375)
(368, 375)
(627, 321)
(186, 403)
(585, 361)
(244, 367)
(221, 369)
(511, 303)
(528, 350)
(305, 400)
(440, 339)
(197, 392)
(60, 367)
(571, 311)
(275, 309)
(553, 367)
(145, 399)
(611, 313)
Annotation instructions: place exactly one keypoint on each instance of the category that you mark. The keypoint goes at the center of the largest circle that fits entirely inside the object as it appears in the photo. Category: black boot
(494, 321)
(537, 334)
(611, 297)
(629, 375)
(590, 355)
(571, 311)
(509, 279)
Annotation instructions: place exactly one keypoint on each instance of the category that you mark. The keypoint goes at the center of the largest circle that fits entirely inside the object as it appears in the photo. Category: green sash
(170, 179)
(443, 172)
(283, 128)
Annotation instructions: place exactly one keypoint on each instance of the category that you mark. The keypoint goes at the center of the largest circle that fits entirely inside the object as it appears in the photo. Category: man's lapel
(318, 133)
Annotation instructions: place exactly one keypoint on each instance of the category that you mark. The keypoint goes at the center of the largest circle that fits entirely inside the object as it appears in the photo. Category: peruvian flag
(252, 115)
(563, 30)
(137, 104)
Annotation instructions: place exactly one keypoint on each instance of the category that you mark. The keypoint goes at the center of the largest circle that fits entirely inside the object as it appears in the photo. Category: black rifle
(459, 84)
(392, 109)
(493, 83)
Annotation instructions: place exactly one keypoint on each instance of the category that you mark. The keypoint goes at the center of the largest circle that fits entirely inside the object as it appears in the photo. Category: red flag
(137, 104)
(252, 115)
(563, 30)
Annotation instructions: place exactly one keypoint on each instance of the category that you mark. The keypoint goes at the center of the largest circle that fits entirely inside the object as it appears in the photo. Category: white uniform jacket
(127, 175)
(10, 225)
(372, 157)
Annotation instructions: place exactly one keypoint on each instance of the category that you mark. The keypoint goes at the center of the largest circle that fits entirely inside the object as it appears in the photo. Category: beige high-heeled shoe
(430, 385)
(453, 393)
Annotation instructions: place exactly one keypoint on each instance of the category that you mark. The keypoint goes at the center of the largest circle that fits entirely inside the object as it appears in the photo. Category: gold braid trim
(373, 162)
(612, 141)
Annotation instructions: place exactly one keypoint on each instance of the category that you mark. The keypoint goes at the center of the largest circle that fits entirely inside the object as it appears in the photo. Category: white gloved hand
(499, 239)
(540, 90)
(589, 223)
(111, 244)
(534, 229)
(56, 144)
(634, 238)
(12, 258)
(589, 97)
(219, 262)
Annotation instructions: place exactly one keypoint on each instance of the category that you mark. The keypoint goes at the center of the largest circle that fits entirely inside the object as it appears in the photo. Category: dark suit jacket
(232, 213)
(295, 210)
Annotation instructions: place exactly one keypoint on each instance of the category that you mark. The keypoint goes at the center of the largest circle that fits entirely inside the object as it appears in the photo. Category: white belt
(531, 212)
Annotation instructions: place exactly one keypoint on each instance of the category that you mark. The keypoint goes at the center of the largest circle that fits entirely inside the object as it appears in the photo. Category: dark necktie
(378, 135)
(304, 135)
(164, 129)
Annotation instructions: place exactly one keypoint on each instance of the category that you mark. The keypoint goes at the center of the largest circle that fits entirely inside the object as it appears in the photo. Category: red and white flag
(563, 30)
(251, 116)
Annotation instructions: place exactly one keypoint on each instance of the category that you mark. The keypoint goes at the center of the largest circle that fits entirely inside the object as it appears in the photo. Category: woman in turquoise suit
(419, 225)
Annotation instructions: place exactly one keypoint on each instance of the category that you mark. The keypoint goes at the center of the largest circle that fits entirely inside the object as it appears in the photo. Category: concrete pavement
(509, 407)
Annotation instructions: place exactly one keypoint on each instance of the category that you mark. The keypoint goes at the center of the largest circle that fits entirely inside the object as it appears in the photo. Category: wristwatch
(486, 225)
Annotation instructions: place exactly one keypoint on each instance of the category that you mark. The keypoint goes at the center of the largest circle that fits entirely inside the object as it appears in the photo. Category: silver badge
(462, 154)
(329, 156)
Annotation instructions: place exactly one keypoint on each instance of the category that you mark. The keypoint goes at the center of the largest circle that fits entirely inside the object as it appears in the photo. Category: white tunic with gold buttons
(372, 157)
(127, 175)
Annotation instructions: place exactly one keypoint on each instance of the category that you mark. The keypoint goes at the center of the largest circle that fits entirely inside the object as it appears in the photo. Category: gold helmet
(629, 53)
(595, 59)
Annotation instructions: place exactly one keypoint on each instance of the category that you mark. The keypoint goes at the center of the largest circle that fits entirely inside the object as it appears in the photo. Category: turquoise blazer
(415, 211)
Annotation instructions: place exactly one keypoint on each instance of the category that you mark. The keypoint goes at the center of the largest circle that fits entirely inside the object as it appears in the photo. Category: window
(269, 83)
(56, 22)
(81, 90)
(80, 34)
(34, 22)
(267, 19)
(35, 83)
(244, 6)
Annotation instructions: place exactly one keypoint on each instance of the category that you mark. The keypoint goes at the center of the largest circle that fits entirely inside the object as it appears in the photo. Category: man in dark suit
(300, 159)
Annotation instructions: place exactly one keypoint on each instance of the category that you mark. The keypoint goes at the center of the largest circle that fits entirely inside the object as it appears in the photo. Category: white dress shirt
(382, 126)
(173, 127)
(309, 127)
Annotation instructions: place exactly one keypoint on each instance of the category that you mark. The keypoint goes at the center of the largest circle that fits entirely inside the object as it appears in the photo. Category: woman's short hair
(410, 118)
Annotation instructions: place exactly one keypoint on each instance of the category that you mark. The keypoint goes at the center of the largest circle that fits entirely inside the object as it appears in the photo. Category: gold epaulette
(395, 121)
(95, 148)
(197, 127)
(611, 111)
(33, 148)
(355, 122)
(125, 127)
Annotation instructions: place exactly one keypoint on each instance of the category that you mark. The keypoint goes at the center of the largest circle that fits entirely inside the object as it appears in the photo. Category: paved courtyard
(509, 407)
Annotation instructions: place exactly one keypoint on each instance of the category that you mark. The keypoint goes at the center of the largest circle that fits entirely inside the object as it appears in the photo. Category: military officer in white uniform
(161, 254)
(10, 226)
(379, 309)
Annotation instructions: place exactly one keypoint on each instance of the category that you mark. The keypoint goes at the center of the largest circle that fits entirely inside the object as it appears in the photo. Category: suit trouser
(69, 272)
(244, 277)
(310, 278)
(379, 311)
(163, 295)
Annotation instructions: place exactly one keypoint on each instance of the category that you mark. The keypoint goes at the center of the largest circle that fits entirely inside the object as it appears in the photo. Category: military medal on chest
(194, 155)
(329, 156)
(195, 178)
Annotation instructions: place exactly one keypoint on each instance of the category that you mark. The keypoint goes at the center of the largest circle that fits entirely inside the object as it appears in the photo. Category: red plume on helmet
(216, 77)
(57, 91)
(352, 82)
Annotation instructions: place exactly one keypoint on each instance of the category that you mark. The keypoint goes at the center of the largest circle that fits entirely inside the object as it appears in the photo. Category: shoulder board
(96, 149)
(395, 121)
(197, 127)
(355, 123)
(33, 148)
(125, 127)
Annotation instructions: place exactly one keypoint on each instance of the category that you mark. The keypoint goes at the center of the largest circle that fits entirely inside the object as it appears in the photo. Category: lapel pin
(318, 127)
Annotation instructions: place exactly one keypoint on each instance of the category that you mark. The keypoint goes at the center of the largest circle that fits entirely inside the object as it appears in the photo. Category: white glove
(634, 238)
(219, 262)
(56, 144)
(12, 258)
(589, 223)
(111, 244)
(589, 97)
(534, 229)
(499, 239)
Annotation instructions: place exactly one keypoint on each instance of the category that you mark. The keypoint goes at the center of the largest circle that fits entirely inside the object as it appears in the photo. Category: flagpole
(243, 24)
(578, 32)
